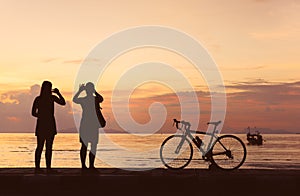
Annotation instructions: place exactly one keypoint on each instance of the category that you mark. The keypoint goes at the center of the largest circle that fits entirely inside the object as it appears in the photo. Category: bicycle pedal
(206, 158)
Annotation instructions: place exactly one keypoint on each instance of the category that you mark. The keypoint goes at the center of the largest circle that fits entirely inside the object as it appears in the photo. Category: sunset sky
(255, 43)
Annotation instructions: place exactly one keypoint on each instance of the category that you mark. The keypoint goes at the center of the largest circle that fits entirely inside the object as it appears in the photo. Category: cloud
(270, 93)
(266, 105)
(269, 105)
(13, 118)
(75, 61)
(15, 111)
(60, 60)
(243, 68)
(50, 60)
(260, 103)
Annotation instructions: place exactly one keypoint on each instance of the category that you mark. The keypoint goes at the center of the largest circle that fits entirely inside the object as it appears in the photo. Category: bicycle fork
(179, 145)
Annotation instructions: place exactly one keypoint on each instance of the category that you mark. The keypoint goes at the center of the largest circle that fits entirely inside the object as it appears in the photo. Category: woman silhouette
(89, 124)
(43, 109)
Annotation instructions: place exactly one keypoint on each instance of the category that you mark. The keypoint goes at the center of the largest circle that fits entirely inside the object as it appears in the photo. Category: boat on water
(254, 138)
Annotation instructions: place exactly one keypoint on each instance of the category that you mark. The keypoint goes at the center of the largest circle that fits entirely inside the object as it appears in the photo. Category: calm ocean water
(136, 151)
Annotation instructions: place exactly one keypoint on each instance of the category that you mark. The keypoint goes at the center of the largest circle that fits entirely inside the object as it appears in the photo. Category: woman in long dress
(43, 110)
(89, 124)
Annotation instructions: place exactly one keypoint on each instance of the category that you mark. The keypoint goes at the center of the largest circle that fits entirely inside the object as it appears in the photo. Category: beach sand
(109, 181)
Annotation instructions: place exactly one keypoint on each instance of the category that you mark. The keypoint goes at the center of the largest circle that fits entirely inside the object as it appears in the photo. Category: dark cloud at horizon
(15, 111)
(273, 106)
(268, 93)
(266, 105)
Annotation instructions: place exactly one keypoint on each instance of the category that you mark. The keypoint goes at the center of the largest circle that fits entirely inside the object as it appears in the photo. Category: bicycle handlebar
(187, 124)
(177, 122)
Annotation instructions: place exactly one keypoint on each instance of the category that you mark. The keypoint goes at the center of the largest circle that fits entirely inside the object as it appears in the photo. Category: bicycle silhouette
(225, 152)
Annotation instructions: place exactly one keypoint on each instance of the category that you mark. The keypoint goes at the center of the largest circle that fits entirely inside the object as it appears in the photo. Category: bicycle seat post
(215, 125)
(215, 129)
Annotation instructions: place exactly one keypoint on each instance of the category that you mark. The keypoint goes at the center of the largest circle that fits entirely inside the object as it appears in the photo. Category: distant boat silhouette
(254, 138)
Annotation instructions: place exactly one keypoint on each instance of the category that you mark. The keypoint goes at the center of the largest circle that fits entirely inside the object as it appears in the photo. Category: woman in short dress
(89, 124)
(43, 110)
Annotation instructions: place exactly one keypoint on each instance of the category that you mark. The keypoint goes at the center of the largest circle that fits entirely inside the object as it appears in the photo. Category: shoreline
(112, 181)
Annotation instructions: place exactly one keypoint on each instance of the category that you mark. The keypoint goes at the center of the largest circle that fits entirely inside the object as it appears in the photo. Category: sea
(140, 152)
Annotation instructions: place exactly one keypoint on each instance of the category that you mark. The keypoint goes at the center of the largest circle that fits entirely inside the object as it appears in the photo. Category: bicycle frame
(213, 139)
(188, 134)
(231, 148)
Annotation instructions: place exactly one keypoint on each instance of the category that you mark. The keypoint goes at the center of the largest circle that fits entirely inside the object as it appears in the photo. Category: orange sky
(255, 43)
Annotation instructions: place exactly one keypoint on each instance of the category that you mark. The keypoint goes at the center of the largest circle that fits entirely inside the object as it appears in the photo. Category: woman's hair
(46, 89)
(90, 88)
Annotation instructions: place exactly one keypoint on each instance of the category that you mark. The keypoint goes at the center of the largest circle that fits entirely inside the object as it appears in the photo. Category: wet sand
(108, 181)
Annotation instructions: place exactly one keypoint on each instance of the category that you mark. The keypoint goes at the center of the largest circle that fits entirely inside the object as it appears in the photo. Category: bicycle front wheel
(176, 152)
(229, 152)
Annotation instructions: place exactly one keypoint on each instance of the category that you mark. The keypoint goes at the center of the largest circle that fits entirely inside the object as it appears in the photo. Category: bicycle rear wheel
(176, 152)
(229, 152)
